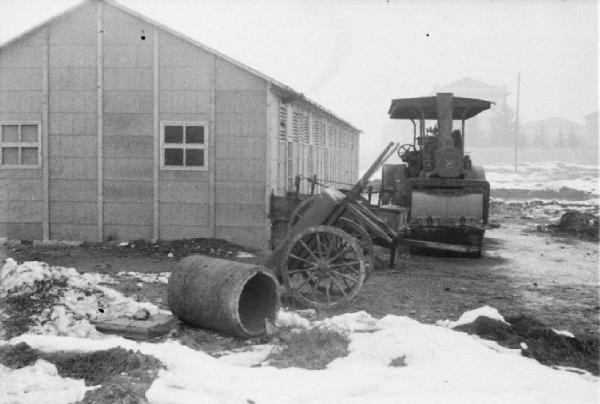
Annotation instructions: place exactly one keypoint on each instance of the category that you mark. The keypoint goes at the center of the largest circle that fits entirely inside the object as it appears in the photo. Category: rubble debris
(38, 298)
(577, 223)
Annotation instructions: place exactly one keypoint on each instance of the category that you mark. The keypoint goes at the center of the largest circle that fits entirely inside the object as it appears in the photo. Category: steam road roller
(446, 195)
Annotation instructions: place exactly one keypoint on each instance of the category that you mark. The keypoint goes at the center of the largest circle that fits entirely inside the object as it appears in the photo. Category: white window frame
(21, 145)
(183, 146)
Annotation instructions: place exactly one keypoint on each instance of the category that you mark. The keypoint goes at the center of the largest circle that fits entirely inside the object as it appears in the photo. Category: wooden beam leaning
(45, 138)
(99, 112)
(156, 135)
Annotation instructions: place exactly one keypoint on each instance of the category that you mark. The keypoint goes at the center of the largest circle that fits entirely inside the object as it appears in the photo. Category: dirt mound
(577, 223)
(542, 343)
(125, 375)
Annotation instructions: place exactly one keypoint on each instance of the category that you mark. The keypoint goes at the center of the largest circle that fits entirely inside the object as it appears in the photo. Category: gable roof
(469, 82)
(286, 92)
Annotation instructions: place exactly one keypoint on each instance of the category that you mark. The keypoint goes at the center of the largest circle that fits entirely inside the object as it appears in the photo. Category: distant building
(553, 132)
(492, 127)
(591, 129)
(115, 126)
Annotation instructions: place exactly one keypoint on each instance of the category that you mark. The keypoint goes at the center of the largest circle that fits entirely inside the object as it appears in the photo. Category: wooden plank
(99, 109)
(154, 326)
(156, 134)
(45, 143)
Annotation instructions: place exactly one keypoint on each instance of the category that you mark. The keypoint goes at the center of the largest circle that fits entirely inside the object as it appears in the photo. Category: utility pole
(517, 119)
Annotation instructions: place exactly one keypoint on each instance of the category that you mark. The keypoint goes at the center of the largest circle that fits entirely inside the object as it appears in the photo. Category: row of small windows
(323, 133)
(183, 145)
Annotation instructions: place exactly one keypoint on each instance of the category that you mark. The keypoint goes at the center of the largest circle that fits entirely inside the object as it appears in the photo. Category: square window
(173, 134)
(20, 145)
(10, 133)
(29, 133)
(174, 157)
(183, 145)
(29, 156)
(194, 134)
(10, 156)
(194, 157)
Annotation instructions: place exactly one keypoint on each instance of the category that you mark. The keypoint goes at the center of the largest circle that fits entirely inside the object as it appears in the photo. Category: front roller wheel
(323, 267)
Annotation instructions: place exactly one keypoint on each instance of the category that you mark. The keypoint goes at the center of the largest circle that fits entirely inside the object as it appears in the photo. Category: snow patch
(243, 254)
(37, 384)
(161, 277)
(360, 321)
(564, 332)
(442, 366)
(247, 357)
(472, 315)
(290, 319)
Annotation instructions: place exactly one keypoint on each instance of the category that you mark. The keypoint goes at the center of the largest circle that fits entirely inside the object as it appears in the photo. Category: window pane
(174, 157)
(29, 156)
(194, 134)
(10, 156)
(173, 134)
(194, 157)
(29, 133)
(10, 133)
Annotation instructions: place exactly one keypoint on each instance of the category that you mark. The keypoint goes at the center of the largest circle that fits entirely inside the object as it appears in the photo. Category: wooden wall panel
(73, 190)
(20, 79)
(183, 214)
(69, 168)
(127, 191)
(127, 231)
(132, 169)
(184, 192)
(72, 231)
(69, 123)
(21, 230)
(73, 213)
(20, 190)
(121, 124)
(72, 146)
(21, 211)
(121, 213)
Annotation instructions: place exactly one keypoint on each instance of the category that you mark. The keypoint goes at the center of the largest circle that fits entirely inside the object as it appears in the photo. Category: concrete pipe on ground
(223, 295)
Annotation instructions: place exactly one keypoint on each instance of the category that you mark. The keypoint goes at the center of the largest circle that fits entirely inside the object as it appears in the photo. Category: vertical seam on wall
(45, 138)
(99, 109)
(268, 163)
(212, 152)
(156, 134)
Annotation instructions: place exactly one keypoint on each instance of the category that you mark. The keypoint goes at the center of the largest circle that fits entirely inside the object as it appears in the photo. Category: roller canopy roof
(417, 108)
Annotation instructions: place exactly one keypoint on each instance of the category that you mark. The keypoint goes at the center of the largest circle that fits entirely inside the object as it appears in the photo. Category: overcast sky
(355, 56)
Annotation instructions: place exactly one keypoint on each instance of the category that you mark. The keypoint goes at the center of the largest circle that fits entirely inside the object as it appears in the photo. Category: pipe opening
(258, 301)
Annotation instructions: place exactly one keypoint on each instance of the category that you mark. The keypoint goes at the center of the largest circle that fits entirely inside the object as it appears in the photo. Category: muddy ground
(523, 271)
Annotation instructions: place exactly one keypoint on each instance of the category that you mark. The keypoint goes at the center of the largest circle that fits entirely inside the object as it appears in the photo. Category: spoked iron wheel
(368, 248)
(323, 267)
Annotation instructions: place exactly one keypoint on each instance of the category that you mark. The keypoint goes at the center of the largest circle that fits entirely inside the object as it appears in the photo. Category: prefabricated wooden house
(115, 126)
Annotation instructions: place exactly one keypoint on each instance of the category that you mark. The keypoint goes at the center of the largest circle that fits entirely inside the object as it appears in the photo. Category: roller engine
(447, 197)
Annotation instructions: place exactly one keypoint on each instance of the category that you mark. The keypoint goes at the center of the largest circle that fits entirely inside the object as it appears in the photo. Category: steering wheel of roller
(405, 148)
